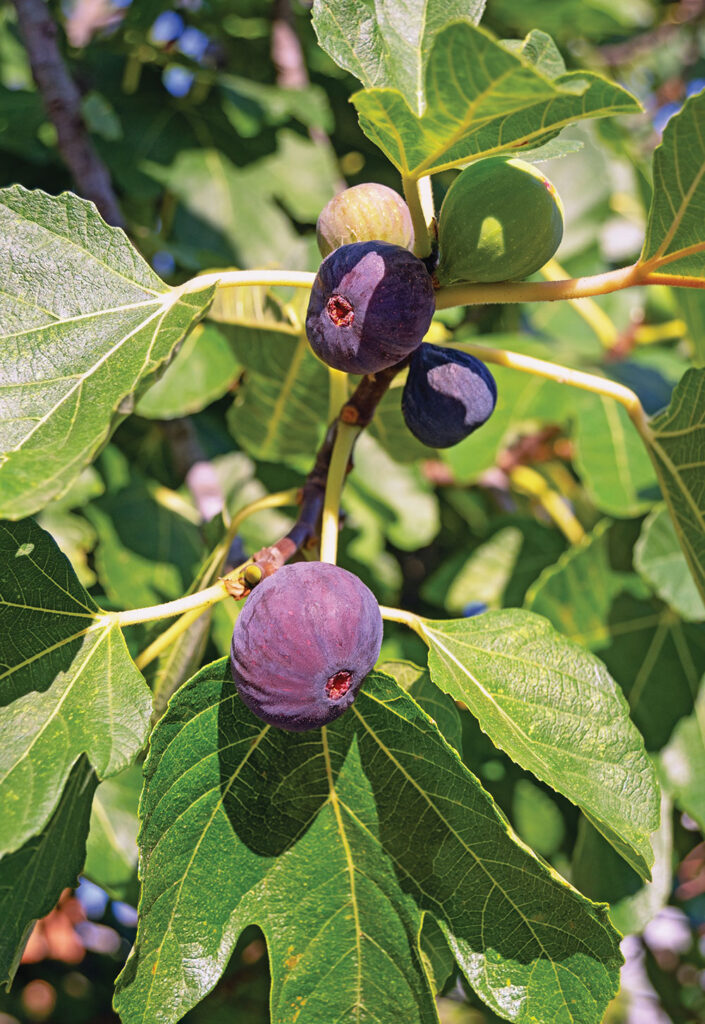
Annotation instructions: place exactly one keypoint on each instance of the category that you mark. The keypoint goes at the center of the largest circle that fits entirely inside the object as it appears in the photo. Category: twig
(63, 105)
(289, 61)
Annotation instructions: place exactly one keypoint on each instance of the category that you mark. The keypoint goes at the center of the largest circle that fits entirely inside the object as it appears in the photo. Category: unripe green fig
(364, 213)
(501, 220)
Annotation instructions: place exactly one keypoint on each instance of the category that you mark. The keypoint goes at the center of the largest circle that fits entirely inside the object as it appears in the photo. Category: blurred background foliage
(225, 130)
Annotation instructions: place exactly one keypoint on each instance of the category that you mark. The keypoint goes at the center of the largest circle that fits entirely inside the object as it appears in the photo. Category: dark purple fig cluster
(303, 644)
(448, 394)
(370, 306)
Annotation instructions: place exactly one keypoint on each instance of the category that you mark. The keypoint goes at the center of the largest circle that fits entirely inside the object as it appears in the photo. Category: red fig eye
(340, 311)
(339, 684)
(370, 306)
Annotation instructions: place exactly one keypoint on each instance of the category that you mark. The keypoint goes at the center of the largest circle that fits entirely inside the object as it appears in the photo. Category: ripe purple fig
(303, 643)
(364, 213)
(447, 395)
(370, 306)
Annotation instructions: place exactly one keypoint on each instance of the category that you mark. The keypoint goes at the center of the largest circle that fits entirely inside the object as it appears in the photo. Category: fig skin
(303, 644)
(447, 395)
(370, 306)
(501, 220)
(364, 213)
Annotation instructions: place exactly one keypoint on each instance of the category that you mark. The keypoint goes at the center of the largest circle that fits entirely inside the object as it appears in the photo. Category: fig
(364, 213)
(447, 395)
(370, 306)
(303, 644)
(501, 220)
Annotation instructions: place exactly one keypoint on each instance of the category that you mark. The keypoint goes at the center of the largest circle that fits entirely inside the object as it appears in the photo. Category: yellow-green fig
(364, 213)
(501, 220)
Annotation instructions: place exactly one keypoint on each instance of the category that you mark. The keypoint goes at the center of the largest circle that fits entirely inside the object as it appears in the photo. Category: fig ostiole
(370, 306)
(448, 394)
(364, 213)
(304, 641)
(501, 220)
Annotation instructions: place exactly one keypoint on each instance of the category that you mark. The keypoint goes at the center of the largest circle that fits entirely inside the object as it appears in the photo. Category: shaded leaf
(555, 710)
(656, 658)
(674, 233)
(480, 100)
(67, 683)
(86, 322)
(204, 371)
(677, 438)
(281, 407)
(33, 878)
(356, 829)
(659, 558)
(611, 458)
(111, 848)
(437, 705)
(147, 552)
(683, 762)
(404, 501)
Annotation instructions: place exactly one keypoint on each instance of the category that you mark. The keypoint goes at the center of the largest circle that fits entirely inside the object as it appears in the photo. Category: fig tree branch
(63, 105)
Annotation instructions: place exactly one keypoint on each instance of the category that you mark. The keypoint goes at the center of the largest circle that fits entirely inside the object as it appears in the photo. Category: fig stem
(337, 392)
(528, 481)
(345, 437)
(419, 199)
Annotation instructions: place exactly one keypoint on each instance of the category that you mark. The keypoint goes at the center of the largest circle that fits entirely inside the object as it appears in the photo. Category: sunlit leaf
(67, 683)
(674, 240)
(388, 42)
(480, 99)
(85, 324)
(678, 446)
(554, 709)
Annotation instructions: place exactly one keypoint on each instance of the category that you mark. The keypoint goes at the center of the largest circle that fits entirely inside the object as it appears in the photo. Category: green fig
(501, 220)
(364, 213)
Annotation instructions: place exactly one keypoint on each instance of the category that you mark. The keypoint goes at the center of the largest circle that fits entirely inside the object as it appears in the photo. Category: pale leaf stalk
(247, 278)
(419, 199)
(595, 317)
(541, 291)
(168, 637)
(565, 375)
(346, 435)
(414, 622)
(529, 482)
(203, 599)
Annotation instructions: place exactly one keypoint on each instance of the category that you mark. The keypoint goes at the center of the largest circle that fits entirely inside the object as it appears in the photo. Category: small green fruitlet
(364, 213)
(501, 220)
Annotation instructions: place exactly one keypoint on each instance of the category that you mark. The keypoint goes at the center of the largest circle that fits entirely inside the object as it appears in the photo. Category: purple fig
(448, 394)
(370, 306)
(303, 644)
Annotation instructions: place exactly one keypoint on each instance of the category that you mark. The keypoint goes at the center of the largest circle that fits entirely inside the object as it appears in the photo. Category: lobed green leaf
(86, 323)
(555, 710)
(480, 99)
(334, 843)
